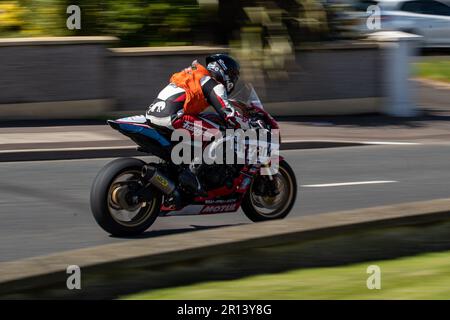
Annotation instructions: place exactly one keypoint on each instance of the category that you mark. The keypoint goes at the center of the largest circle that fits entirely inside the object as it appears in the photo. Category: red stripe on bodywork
(181, 98)
(221, 101)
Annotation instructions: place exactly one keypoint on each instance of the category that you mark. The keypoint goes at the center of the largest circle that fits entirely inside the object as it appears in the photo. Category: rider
(193, 89)
(190, 92)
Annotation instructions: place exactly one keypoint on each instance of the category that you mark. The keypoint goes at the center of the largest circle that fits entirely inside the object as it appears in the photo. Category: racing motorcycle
(128, 194)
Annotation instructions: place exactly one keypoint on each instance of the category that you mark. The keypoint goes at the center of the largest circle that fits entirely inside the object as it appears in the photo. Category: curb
(115, 152)
(336, 238)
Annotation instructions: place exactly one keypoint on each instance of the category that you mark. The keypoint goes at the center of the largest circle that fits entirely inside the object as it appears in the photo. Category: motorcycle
(128, 194)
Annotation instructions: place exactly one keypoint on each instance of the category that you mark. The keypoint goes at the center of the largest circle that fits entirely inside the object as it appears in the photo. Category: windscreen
(247, 95)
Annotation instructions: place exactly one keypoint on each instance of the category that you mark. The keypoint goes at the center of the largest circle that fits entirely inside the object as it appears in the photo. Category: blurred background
(334, 73)
(306, 42)
(288, 40)
(181, 22)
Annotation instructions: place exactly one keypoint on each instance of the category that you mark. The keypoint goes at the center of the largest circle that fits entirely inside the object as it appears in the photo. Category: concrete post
(398, 50)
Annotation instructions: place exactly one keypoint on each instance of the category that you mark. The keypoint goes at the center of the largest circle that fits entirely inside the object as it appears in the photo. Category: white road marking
(53, 137)
(339, 184)
(70, 149)
(361, 142)
(393, 143)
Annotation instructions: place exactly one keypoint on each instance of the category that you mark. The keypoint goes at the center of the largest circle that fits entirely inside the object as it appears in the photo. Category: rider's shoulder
(205, 79)
(207, 82)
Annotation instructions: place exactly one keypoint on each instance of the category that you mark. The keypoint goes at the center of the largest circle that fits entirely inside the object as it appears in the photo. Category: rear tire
(253, 205)
(107, 187)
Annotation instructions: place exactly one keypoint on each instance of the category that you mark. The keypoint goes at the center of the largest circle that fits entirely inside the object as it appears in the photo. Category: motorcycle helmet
(224, 69)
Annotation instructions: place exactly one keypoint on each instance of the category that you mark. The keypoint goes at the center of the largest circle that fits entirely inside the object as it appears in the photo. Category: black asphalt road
(44, 205)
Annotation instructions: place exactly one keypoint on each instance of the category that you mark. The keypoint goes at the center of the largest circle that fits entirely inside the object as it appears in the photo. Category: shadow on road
(158, 233)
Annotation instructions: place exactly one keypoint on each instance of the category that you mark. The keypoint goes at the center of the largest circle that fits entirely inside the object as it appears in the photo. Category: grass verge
(435, 69)
(425, 276)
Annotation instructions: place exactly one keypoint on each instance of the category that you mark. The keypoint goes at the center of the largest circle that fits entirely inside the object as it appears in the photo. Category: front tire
(111, 204)
(263, 208)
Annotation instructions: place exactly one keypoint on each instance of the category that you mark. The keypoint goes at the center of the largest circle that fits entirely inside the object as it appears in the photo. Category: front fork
(266, 185)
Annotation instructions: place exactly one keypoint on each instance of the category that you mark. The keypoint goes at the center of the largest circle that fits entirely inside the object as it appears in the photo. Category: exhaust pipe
(158, 179)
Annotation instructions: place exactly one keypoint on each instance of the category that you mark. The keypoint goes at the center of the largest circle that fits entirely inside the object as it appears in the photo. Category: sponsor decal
(157, 107)
(221, 201)
(196, 128)
(219, 208)
(222, 64)
(162, 181)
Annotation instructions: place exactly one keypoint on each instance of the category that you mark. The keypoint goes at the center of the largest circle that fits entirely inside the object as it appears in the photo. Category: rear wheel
(278, 199)
(114, 204)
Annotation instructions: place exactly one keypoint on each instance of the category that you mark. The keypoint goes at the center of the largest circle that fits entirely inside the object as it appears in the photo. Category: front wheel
(270, 199)
(113, 203)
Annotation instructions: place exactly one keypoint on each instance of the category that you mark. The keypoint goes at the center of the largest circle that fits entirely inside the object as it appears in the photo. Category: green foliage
(425, 276)
(164, 22)
(135, 22)
(11, 16)
(24, 18)
(434, 69)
